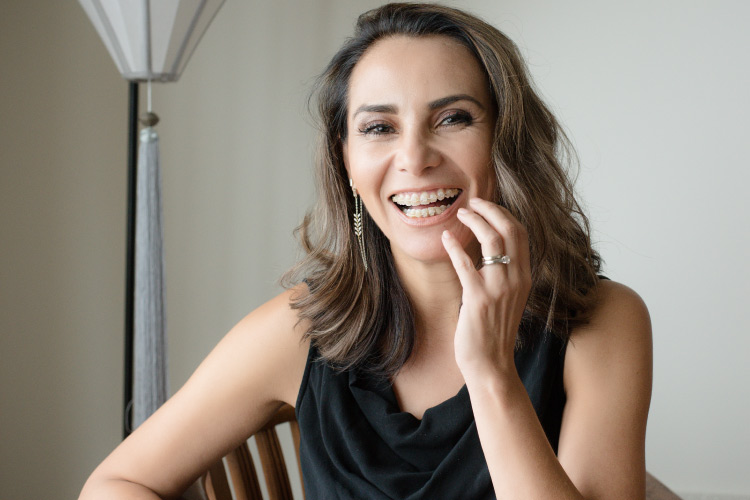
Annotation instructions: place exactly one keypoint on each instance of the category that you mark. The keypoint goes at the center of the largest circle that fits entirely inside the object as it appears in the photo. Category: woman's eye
(376, 129)
(457, 118)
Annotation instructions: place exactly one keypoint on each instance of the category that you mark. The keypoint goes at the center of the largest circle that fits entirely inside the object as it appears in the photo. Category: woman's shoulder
(617, 335)
(276, 317)
(618, 312)
(275, 331)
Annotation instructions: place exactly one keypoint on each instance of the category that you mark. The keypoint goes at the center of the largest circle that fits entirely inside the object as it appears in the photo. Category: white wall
(653, 95)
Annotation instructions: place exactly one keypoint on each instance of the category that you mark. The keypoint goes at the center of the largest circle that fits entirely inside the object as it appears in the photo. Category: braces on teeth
(425, 212)
(424, 198)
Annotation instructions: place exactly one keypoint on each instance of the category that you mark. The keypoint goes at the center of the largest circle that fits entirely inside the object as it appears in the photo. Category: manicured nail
(463, 211)
(446, 234)
(475, 201)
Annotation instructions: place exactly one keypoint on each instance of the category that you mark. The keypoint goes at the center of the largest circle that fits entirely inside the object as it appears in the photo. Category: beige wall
(236, 145)
(62, 144)
(652, 116)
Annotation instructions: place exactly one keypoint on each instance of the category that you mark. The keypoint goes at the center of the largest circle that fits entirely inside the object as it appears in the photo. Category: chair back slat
(241, 469)
(294, 425)
(215, 483)
(242, 474)
(274, 468)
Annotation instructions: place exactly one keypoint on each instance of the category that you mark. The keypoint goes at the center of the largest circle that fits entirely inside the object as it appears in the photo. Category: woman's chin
(428, 253)
(428, 246)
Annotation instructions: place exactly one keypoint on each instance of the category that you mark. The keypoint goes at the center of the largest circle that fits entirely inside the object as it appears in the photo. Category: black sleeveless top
(357, 444)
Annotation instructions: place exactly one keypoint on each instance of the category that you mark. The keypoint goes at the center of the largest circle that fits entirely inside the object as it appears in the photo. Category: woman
(448, 336)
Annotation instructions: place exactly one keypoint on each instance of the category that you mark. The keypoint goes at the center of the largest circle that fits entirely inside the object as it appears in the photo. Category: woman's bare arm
(608, 372)
(607, 376)
(256, 368)
(601, 452)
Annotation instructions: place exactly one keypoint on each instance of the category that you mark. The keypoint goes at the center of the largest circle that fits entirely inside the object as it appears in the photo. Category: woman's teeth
(423, 198)
(425, 212)
(418, 200)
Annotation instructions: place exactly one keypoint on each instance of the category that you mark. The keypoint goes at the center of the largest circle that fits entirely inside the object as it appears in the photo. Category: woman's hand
(607, 376)
(494, 296)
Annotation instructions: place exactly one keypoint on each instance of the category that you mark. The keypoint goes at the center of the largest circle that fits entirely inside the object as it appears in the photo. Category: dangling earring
(358, 222)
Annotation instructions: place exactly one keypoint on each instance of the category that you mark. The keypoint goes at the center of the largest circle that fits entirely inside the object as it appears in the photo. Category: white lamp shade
(151, 39)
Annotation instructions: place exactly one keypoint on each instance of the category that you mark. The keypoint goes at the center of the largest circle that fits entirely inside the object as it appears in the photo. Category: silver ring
(496, 259)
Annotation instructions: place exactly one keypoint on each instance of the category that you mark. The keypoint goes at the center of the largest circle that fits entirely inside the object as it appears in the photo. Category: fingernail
(463, 211)
(446, 234)
(475, 201)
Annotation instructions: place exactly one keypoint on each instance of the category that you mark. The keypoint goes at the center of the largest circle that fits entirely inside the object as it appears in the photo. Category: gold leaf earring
(358, 222)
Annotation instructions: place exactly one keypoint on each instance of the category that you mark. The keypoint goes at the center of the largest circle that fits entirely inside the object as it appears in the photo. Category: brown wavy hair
(364, 319)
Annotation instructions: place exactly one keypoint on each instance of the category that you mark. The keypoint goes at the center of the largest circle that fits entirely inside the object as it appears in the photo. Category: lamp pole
(126, 27)
(130, 258)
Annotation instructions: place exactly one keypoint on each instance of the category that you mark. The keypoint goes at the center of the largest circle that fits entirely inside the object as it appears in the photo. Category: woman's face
(420, 128)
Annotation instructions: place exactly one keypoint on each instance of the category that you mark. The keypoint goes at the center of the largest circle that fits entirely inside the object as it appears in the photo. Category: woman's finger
(462, 263)
(490, 240)
(515, 239)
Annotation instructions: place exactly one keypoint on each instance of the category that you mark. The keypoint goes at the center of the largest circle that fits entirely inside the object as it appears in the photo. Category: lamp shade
(151, 39)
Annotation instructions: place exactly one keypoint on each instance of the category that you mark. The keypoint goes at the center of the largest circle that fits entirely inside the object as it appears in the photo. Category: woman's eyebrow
(436, 104)
(376, 108)
(445, 101)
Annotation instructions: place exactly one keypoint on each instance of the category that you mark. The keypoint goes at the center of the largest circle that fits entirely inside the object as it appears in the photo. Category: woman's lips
(429, 212)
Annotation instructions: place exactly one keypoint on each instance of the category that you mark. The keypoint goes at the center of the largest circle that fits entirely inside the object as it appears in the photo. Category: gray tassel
(150, 343)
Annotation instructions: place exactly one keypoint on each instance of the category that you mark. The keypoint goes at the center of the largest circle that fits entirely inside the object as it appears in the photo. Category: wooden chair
(241, 468)
(245, 481)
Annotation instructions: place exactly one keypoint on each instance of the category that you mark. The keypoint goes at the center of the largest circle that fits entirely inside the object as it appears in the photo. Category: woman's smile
(426, 203)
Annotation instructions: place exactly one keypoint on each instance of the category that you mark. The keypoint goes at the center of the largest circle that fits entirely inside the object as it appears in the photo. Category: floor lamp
(150, 41)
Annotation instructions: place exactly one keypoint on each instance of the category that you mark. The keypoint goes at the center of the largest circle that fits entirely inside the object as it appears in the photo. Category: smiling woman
(446, 335)
(424, 98)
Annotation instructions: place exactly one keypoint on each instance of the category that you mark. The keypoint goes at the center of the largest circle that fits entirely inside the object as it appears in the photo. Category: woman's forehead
(403, 70)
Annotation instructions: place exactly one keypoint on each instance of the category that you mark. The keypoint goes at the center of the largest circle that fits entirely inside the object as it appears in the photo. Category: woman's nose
(416, 152)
